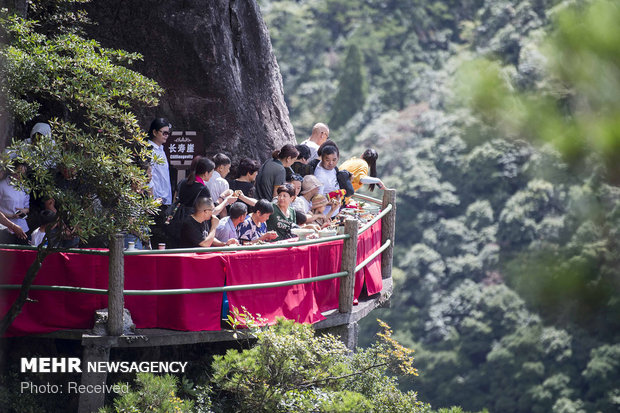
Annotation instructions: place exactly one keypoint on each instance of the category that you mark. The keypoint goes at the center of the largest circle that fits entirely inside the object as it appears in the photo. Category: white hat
(42, 128)
(309, 183)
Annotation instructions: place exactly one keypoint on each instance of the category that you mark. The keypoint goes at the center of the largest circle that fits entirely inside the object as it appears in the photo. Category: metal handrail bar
(367, 198)
(239, 247)
(241, 287)
(72, 250)
(375, 219)
(68, 288)
(373, 256)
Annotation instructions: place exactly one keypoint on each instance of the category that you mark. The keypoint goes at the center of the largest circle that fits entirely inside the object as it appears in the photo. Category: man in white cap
(39, 128)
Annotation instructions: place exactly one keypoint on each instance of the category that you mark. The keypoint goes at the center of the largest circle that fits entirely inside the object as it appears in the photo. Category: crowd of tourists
(300, 186)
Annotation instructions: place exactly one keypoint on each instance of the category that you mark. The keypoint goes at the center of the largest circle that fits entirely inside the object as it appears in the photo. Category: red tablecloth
(52, 310)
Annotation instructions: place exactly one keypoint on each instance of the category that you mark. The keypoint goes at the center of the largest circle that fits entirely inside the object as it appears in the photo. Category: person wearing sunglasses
(158, 135)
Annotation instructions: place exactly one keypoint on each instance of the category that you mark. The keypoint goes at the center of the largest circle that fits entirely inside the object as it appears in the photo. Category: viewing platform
(121, 299)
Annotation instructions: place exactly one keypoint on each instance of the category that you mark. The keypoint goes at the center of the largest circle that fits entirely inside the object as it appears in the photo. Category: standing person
(158, 134)
(243, 186)
(283, 217)
(192, 169)
(364, 170)
(196, 183)
(218, 183)
(10, 233)
(15, 203)
(247, 171)
(144, 193)
(320, 133)
(327, 173)
(273, 173)
(300, 166)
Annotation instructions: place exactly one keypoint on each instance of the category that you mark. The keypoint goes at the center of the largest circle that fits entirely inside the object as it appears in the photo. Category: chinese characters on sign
(182, 147)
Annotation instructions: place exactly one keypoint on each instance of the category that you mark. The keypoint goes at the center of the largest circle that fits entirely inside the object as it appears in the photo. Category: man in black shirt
(199, 228)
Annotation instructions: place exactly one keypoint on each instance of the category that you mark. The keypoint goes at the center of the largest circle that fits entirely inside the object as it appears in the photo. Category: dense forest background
(507, 260)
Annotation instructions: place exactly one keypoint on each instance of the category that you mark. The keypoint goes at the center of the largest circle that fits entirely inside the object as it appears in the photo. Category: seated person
(283, 218)
(319, 204)
(198, 229)
(296, 180)
(301, 220)
(48, 222)
(310, 187)
(228, 228)
(254, 229)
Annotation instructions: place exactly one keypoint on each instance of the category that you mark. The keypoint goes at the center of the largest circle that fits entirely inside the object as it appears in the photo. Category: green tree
(153, 394)
(288, 367)
(575, 106)
(291, 369)
(49, 68)
(352, 89)
(566, 97)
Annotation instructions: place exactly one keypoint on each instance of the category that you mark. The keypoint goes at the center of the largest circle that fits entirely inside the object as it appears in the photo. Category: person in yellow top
(364, 170)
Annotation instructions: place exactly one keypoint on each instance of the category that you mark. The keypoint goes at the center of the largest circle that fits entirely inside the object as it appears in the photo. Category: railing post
(349, 258)
(116, 284)
(388, 228)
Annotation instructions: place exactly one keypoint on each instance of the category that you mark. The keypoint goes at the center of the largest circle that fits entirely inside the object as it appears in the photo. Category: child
(302, 220)
(48, 222)
(319, 203)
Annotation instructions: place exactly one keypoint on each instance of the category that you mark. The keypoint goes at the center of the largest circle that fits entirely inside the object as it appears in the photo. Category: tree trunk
(215, 61)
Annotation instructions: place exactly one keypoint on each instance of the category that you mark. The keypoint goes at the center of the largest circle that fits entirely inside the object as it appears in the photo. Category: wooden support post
(388, 228)
(93, 401)
(116, 284)
(349, 258)
(347, 333)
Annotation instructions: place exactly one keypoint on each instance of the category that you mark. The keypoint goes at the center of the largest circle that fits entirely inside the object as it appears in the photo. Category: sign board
(182, 146)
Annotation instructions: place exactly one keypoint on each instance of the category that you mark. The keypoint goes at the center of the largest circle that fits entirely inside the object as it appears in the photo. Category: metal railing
(346, 273)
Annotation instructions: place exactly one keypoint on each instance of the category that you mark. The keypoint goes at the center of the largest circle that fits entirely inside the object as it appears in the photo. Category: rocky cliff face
(215, 61)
